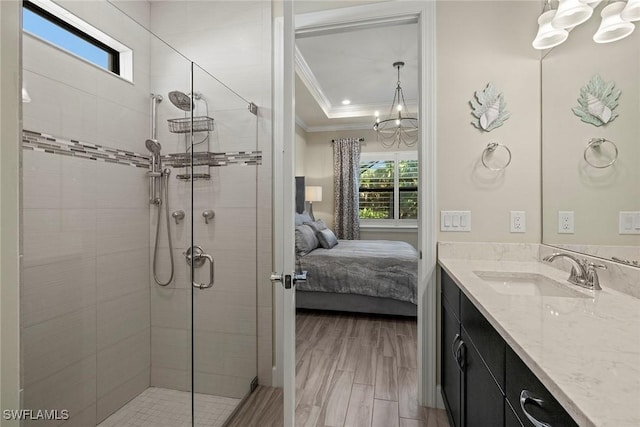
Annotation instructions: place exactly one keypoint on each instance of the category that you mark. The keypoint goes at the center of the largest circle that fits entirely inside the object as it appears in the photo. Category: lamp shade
(613, 27)
(548, 36)
(313, 193)
(631, 12)
(571, 13)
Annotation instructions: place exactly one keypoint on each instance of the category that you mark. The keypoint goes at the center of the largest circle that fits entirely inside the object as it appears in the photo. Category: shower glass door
(222, 176)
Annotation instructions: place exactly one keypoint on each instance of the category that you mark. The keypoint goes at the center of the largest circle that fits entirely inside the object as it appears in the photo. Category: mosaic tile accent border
(37, 141)
(42, 142)
(243, 158)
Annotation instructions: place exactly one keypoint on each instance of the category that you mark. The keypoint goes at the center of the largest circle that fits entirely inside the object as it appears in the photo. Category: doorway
(349, 19)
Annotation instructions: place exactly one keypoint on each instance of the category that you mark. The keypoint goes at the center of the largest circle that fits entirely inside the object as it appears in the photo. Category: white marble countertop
(586, 351)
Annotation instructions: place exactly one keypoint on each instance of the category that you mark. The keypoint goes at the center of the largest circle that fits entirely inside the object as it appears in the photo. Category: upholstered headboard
(299, 194)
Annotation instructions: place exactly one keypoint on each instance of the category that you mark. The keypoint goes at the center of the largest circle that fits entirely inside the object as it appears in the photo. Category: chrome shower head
(181, 100)
(153, 146)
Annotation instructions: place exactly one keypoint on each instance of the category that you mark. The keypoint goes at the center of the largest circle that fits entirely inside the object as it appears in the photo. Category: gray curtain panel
(346, 172)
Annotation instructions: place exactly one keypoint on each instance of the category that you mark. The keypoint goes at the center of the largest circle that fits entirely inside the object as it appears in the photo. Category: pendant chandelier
(399, 128)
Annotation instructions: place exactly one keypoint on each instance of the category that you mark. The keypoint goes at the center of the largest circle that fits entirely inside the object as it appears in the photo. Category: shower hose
(164, 184)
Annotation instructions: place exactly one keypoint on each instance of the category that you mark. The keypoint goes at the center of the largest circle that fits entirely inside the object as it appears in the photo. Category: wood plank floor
(351, 370)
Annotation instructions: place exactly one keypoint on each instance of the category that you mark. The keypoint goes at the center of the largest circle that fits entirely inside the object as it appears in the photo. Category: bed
(368, 276)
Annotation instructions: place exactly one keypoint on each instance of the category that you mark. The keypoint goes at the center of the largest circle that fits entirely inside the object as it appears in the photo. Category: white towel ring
(491, 147)
(594, 144)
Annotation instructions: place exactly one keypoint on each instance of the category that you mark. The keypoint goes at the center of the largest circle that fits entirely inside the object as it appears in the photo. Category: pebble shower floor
(162, 407)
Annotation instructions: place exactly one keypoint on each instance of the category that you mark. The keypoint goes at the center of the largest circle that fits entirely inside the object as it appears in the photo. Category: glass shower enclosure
(139, 231)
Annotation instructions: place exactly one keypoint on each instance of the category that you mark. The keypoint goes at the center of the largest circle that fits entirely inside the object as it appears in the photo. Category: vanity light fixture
(631, 12)
(571, 13)
(553, 25)
(613, 27)
(548, 36)
(399, 128)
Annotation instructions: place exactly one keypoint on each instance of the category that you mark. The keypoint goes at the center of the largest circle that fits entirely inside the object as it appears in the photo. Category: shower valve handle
(178, 216)
(208, 214)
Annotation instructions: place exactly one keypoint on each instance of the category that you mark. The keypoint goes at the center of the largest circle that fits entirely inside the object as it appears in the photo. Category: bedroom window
(389, 189)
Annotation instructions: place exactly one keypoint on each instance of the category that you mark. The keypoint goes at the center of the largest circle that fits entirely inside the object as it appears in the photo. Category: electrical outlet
(565, 222)
(518, 222)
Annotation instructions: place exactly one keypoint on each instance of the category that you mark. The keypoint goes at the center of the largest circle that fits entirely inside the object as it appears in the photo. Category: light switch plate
(455, 220)
(629, 222)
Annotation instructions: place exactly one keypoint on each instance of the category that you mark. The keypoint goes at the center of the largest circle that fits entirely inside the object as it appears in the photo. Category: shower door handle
(195, 256)
(209, 258)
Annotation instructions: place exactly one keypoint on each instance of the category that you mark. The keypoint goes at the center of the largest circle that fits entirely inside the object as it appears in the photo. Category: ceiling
(355, 65)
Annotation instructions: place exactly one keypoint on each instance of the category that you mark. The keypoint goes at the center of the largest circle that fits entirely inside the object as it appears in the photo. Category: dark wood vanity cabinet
(484, 383)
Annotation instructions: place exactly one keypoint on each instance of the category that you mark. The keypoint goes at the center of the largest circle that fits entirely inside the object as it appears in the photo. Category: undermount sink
(527, 284)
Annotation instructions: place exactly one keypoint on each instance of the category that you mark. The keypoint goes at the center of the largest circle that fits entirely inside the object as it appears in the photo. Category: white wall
(9, 211)
(480, 42)
(301, 151)
(231, 40)
(85, 303)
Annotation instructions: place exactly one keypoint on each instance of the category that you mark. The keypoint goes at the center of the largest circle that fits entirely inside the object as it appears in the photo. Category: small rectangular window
(55, 25)
(388, 188)
(58, 32)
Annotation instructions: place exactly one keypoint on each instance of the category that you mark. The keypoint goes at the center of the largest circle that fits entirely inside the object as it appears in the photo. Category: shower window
(49, 22)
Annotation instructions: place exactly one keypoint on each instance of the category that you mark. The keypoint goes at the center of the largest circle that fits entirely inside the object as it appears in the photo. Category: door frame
(424, 14)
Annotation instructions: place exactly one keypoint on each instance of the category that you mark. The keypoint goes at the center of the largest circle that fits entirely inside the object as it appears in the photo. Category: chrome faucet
(583, 272)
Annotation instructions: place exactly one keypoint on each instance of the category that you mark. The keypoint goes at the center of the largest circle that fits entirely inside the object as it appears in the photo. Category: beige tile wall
(85, 311)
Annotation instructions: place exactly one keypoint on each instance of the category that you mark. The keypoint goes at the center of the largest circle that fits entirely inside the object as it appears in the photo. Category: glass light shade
(613, 27)
(548, 36)
(631, 12)
(313, 193)
(571, 13)
(25, 96)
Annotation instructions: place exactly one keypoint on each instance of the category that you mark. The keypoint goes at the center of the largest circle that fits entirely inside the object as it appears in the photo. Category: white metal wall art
(597, 102)
(488, 109)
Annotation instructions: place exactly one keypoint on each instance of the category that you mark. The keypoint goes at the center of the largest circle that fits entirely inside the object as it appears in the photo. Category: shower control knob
(178, 216)
(208, 214)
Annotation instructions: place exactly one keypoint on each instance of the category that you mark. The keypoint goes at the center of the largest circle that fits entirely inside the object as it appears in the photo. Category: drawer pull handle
(460, 355)
(525, 398)
(453, 346)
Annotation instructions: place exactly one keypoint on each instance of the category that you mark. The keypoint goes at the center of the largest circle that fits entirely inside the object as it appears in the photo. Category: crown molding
(329, 128)
(339, 111)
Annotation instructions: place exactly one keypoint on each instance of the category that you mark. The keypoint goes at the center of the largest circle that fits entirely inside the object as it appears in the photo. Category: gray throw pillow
(327, 238)
(317, 226)
(302, 218)
(306, 240)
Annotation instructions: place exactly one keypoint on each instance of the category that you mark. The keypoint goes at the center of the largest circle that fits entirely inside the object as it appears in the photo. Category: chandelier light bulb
(571, 13)
(613, 27)
(548, 36)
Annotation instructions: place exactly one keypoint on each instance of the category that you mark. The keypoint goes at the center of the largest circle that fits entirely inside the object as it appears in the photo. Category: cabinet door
(530, 399)
(450, 371)
(510, 417)
(484, 401)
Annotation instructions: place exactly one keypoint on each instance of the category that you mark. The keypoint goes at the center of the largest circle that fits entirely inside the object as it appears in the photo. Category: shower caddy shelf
(187, 125)
(183, 125)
